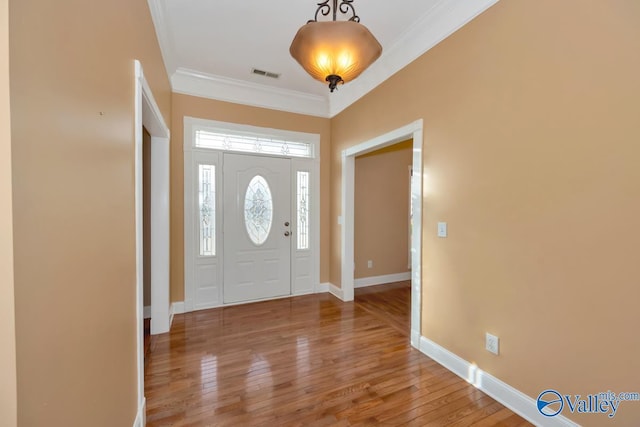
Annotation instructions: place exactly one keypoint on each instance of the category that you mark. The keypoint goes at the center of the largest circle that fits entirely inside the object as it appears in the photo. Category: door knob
(286, 233)
(286, 224)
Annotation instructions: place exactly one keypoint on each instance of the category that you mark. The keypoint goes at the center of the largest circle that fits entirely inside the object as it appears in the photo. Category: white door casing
(414, 131)
(148, 115)
(204, 274)
(257, 227)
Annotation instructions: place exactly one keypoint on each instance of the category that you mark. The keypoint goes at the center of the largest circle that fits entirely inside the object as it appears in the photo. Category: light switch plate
(492, 343)
(442, 229)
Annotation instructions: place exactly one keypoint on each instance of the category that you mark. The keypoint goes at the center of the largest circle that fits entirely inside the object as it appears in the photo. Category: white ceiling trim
(164, 35)
(434, 26)
(438, 23)
(248, 93)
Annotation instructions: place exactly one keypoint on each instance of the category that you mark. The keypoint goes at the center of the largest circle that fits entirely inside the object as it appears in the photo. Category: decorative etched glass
(258, 210)
(252, 144)
(207, 209)
(302, 208)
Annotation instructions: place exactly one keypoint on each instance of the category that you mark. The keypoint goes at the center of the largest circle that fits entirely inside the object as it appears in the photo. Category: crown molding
(437, 24)
(445, 18)
(195, 83)
(156, 7)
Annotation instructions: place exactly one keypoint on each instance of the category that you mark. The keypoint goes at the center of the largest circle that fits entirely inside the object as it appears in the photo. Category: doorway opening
(411, 131)
(251, 200)
(149, 117)
(146, 237)
(382, 216)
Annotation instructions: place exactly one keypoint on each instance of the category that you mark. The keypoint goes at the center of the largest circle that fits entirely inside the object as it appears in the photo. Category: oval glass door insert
(258, 210)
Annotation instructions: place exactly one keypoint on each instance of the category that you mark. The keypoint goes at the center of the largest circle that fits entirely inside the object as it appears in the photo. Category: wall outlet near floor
(492, 343)
(370, 264)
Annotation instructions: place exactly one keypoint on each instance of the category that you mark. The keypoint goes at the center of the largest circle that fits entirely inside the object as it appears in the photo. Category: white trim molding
(444, 19)
(141, 418)
(438, 23)
(193, 155)
(322, 288)
(410, 131)
(510, 397)
(163, 33)
(177, 307)
(381, 280)
(148, 115)
(160, 225)
(190, 82)
(337, 292)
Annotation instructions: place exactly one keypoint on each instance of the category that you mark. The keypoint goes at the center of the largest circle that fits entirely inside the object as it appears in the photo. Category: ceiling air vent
(265, 73)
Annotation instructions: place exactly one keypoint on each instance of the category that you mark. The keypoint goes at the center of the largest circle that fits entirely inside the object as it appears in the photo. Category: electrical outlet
(492, 343)
(370, 264)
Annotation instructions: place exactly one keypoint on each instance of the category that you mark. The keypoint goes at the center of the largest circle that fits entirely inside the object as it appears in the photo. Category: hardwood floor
(390, 303)
(308, 361)
(147, 339)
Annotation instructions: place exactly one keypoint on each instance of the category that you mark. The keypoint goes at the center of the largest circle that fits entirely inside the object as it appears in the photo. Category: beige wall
(73, 184)
(8, 391)
(531, 155)
(184, 105)
(381, 214)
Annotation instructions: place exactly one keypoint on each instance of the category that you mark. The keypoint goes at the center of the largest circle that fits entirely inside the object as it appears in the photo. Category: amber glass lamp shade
(335, 51)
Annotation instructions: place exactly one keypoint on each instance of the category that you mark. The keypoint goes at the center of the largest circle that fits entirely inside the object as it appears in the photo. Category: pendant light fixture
(335, 51)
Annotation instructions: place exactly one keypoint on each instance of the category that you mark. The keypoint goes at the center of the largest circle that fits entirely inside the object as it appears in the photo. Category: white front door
(257, 227)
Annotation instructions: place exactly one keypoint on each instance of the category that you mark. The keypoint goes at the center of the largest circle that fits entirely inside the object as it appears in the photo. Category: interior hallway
(308, 360)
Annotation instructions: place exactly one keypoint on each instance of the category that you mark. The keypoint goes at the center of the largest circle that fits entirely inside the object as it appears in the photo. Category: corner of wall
(510, 397)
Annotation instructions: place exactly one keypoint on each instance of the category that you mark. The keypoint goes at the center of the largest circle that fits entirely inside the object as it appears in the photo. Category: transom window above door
(252, 144)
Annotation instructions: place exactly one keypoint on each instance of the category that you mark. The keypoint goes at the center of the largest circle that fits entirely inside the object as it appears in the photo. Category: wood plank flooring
(147, 339)
(308, 361)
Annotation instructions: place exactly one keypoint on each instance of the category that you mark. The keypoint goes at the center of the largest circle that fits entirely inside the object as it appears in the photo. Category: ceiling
(211, 46)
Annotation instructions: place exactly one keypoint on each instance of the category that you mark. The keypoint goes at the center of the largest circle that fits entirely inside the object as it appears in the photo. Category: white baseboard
(380, 280)
(140, 420)
(146, 312)
(513, 399)
(175, 308)
(415, 339)
(322, 288)
(336, 291)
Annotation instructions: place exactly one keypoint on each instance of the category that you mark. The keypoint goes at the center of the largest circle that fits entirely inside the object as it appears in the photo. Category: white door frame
(148, 114)
(191, 154)
(412, 130)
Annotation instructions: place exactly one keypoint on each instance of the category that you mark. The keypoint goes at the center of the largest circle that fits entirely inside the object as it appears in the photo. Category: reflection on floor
(147, 339)
(390, 302)
(309, 360)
